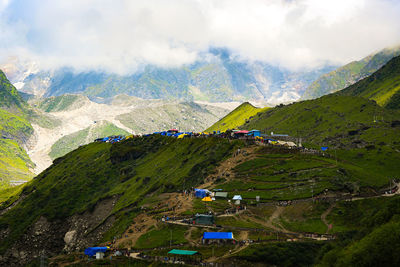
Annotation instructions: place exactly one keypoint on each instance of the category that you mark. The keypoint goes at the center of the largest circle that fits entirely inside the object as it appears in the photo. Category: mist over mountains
(218, 77)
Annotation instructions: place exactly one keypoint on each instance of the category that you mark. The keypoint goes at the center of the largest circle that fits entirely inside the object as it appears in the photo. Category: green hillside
(340, 121)
(15, 130)
(133, 170)
(344, 124)
(9, 96)
(236, 117)
(349, 74)
(102, 192)
(82, 137)
(134, 175)
(382, 86)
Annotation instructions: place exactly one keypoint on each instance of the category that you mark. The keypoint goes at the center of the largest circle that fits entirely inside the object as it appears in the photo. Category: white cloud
(122, 35)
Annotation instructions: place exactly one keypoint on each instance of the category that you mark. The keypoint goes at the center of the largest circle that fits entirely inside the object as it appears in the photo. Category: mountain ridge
(350, 73)
(382, 86)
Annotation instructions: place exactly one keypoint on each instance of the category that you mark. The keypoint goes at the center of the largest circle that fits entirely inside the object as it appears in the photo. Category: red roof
(242, 131)
(174, 130)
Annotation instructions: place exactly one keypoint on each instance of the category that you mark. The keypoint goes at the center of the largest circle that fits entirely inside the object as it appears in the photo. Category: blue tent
(254, 133)
(217, 235)
(91, 251)
(324, 148)
(201, 193)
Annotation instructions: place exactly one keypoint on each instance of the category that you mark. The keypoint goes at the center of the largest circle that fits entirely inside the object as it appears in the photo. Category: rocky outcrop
(49, 238)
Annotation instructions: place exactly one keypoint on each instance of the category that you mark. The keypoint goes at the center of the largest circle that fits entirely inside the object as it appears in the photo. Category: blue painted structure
(217, 235)
(91, 251)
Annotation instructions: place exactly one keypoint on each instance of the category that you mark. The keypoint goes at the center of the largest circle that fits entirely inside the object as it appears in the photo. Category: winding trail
(323, 217)
(225, 169)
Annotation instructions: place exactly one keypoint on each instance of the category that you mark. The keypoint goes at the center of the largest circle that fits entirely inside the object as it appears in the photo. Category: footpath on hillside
(174, 206)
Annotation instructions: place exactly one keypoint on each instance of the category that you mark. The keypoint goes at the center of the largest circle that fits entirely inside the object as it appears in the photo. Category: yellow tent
(129, 136)
(181, 136)
(206, 199)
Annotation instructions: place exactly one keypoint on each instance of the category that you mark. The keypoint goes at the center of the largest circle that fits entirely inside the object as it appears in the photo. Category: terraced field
(274, 176)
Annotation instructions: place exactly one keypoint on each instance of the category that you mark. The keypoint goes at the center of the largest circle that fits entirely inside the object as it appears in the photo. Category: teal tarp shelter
(182, 252)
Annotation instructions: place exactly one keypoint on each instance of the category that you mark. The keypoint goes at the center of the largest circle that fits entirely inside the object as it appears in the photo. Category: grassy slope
(339, 121)
(349, 74)
(367, 150)
(9, 96)
(15, 129)
(381, 86)
(82, 137)
(132, 169)
(236, 117)
(58, 103)
(370, 233)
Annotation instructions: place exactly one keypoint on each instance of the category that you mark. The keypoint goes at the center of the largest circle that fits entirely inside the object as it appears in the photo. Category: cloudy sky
(121, 35)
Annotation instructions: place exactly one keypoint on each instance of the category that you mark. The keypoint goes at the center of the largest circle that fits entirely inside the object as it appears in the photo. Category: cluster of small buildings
(230, 134)
(207, 196)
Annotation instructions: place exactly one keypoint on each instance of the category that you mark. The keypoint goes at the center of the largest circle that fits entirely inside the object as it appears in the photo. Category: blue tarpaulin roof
(323, 148)
(237, 197)
(200, 192)
(91, 251)
(217, 235)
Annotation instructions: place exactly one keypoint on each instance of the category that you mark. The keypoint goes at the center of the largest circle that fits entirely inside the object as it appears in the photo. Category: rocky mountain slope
(349, 74)
(382, 86)
(74, 120)
(219, 76)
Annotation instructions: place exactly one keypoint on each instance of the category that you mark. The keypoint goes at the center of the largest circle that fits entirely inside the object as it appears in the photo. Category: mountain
(59, 103)
(65, 122)
(186, 116)
(383, 86)
(72, 141)
(102, 193)
(349, 74)
(218, 76)
(15, 131)
(236, 118)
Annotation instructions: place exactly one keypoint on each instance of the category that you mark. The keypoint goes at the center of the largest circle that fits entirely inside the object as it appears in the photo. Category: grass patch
(161, 235)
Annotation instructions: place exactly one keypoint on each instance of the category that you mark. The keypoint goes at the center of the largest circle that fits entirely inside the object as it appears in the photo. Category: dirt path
(326, 213)
(225, 168)
(141, 225)
(244, 235)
